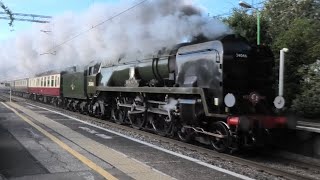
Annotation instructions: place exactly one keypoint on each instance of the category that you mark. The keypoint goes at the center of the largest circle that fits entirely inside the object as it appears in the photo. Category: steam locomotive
(218, 92)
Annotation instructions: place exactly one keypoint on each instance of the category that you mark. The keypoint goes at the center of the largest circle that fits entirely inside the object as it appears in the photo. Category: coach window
(48, 81)
(58, 81)
(52, 81)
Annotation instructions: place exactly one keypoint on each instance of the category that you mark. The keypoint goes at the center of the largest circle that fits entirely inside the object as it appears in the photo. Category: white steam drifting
(147, 28)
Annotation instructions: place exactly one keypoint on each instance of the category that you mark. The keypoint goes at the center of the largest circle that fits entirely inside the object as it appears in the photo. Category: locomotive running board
(166, 90)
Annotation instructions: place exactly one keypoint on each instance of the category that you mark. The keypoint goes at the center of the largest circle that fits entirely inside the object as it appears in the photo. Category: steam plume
(146, 28)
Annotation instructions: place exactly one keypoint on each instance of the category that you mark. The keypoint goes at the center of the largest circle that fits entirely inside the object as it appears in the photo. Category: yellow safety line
(76, 154)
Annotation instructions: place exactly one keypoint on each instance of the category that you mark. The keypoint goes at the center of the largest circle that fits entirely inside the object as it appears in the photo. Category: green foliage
(301, 40)
(308, 102)
(8, 12)
(281, 13)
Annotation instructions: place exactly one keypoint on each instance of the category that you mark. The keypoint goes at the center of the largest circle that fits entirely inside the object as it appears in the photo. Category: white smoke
(146, 29)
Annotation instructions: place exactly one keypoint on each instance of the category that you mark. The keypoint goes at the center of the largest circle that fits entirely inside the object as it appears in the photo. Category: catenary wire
(95, 26)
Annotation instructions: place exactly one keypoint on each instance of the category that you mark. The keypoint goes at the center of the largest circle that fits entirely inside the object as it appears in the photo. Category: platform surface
(27, 151)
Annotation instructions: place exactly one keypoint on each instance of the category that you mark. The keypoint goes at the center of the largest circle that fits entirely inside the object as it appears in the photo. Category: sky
(55, 7)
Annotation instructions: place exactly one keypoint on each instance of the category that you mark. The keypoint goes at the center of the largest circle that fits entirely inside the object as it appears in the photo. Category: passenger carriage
(45, 88)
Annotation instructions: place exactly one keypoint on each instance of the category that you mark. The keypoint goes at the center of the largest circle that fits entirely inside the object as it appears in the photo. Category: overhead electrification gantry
(26, 17)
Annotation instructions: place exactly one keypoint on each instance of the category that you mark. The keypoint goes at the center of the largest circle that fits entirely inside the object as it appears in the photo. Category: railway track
(198, 151)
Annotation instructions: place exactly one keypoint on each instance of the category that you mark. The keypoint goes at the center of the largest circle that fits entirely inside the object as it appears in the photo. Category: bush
(307, 103)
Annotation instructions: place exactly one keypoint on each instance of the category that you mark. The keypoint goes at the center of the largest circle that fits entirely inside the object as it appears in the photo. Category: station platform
(310, 126)
(35, 144)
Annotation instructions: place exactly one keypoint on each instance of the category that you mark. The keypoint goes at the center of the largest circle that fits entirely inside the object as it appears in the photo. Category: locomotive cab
(93, 71)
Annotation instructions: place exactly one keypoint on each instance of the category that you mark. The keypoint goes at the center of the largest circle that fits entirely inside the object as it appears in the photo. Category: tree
(308, 102)
(281, 13)
(303, 43)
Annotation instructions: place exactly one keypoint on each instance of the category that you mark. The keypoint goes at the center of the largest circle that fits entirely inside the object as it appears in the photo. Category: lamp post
(281, 70)
(248, 6)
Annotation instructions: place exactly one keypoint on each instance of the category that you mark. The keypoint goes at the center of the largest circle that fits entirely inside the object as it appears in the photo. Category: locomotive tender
(219, 92)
